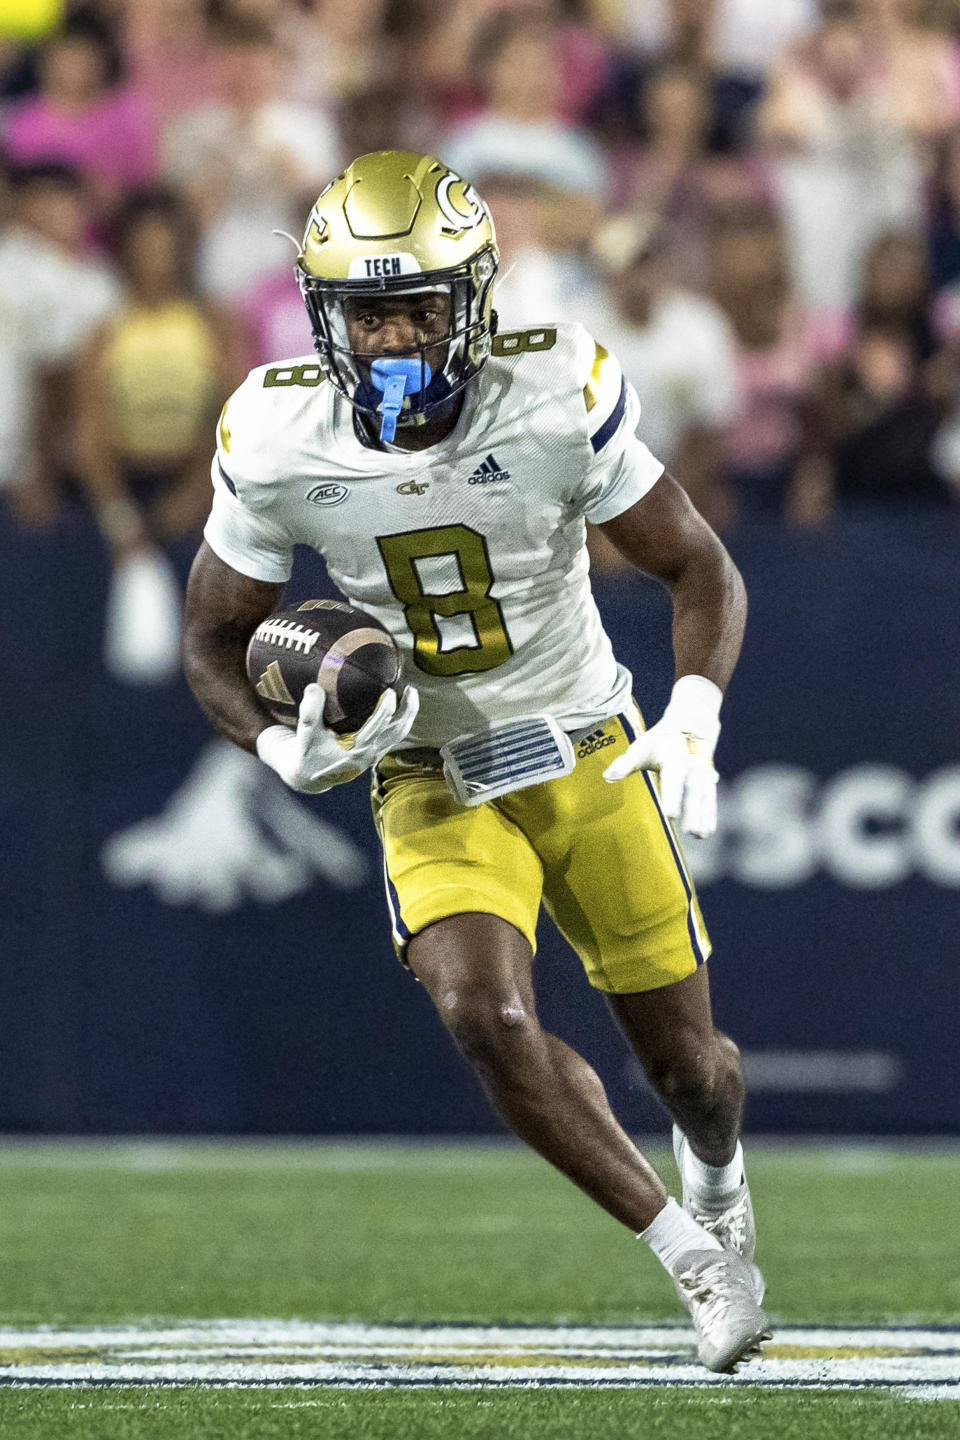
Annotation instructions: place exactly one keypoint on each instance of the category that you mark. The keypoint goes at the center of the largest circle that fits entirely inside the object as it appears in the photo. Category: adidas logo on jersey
(593, 742)
(488, 472)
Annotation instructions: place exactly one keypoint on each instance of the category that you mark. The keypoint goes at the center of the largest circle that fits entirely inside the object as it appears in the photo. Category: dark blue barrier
(166, 998)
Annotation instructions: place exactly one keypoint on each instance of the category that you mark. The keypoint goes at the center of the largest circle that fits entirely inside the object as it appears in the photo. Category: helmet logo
(456, 217)
(316, 228)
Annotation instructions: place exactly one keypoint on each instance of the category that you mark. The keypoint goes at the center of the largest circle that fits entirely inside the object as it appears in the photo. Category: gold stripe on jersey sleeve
(224, 430)
(600, 373)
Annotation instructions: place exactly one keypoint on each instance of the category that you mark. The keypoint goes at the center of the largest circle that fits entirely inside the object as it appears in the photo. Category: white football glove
(680, 748)
(312, 759)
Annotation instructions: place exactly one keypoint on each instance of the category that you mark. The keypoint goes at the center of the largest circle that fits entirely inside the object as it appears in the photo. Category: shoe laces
(730, 1225)
(710, 1287)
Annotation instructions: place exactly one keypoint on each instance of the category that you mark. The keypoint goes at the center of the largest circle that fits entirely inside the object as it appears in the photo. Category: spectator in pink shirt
(276, 320)
(169, 53)
(781, 345)
(446, 39)
(81, 117)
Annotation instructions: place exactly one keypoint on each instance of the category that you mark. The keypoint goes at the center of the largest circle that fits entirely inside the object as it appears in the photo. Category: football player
(445, 472)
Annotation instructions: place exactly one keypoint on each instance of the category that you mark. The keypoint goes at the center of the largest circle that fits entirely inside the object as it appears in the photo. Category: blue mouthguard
(396, 378)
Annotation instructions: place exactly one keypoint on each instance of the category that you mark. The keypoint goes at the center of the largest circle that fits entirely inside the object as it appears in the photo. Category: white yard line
(920, 1363)
(261, 1334)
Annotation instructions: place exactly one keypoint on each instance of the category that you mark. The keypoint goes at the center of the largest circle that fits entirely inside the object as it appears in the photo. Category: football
(344, 650)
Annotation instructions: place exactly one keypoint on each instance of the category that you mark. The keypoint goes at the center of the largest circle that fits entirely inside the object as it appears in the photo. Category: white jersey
(472, 552)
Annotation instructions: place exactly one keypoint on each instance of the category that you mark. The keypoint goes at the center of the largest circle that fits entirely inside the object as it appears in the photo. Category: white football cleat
(731, 1220)
(719, 1289)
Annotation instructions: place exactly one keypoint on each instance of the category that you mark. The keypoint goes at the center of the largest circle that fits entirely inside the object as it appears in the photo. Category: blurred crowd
(755, 205)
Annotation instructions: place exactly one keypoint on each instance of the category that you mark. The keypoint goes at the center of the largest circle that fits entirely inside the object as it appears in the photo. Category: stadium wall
(189, 948)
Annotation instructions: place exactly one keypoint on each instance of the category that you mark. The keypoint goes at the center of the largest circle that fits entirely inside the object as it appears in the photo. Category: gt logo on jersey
(456, 217)
(329, 493)
(413, 487)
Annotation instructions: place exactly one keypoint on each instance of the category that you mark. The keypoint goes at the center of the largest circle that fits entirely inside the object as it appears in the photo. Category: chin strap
(397, 378)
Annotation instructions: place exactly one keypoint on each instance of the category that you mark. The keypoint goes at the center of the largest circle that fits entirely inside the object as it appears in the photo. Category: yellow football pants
(603, 859)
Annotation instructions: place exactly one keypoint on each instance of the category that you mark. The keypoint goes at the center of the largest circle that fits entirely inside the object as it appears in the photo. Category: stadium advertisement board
(189, 947)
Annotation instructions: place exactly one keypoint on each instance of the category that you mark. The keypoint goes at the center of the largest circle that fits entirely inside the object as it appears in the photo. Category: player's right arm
(241, 568)
(237, 580)
(223, 609)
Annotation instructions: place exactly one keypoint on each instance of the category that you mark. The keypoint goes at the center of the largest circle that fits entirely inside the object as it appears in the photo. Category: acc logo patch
(329, 493)
(467, 218)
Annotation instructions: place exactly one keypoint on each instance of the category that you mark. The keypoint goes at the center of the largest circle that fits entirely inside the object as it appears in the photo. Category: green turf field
(122, 1246)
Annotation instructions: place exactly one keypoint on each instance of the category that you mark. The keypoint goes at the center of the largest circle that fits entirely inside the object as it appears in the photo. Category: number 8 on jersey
(424, 610)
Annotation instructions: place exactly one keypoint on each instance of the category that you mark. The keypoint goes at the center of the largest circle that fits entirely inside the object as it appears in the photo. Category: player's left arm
(663, 534)
(649, 518)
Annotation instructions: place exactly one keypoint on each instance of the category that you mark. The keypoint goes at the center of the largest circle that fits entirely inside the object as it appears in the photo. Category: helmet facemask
(453, 358)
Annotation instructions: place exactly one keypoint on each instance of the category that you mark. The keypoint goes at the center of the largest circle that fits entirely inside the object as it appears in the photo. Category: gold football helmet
(399, 222)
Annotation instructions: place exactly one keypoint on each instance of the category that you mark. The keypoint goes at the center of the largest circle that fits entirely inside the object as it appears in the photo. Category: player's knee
(730, 1053)
(512, 1014)
(489, 1029)
(696, 1074)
